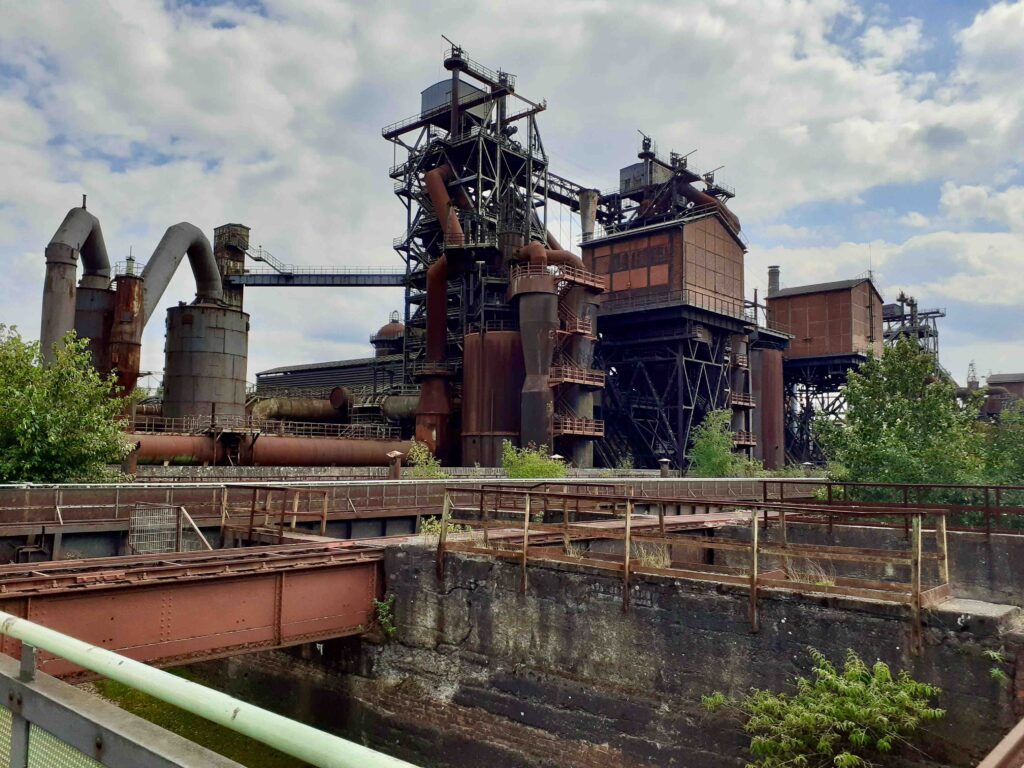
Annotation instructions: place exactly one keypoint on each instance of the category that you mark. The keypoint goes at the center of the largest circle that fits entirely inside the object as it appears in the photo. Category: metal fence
(162, 528)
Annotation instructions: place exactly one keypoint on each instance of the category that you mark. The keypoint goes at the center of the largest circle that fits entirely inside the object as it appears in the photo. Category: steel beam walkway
(167, 609)
(320, 277)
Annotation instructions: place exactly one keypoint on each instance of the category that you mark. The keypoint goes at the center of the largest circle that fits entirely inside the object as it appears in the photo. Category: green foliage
(58, 423)
(1003, 444)
(903, 424)
(224, 741)
(711, 450)
(385, 610)
(430, 528)
(423, 465)
(839, 719)
(996, 671)
(530, 461)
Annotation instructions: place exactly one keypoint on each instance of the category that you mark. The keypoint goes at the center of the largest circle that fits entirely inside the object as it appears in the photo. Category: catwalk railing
(547, 524)
(194, 425)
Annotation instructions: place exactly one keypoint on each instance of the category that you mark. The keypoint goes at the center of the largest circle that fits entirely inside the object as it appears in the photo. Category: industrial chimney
(773, 279)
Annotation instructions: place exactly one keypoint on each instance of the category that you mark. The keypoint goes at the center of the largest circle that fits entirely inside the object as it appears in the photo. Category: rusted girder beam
(166, 609)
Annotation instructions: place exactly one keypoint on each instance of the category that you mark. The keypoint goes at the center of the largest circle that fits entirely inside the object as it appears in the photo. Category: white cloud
(969, 203)
(887, 47)
(914, 219)
(273, 120)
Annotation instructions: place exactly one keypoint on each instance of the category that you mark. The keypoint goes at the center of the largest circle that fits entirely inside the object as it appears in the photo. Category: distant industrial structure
(611, 357)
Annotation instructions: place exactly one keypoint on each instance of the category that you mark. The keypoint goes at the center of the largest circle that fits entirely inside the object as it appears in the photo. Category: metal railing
(571, 425)
(33, 709)
(529, 524)
(744, 438)
(742, 400)
(571, 374)
(560, 272)
(194, 425)
(1008, 753)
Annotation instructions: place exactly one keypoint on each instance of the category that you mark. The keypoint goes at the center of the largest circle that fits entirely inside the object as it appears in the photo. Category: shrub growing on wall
(834, 719)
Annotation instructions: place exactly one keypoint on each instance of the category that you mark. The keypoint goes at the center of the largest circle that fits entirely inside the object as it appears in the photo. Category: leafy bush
(711, 450)
(423, 465)
(59, 423)
(430, 528)
(385, 610)
(530, 462)
(835, 719)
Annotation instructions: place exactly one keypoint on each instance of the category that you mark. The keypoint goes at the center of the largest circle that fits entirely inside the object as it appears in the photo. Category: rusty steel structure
(166, 609)
(677, 335)
(834, 327)
(498, 316)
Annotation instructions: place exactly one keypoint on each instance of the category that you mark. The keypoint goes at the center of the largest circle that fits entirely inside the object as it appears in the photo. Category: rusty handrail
(1008, 753)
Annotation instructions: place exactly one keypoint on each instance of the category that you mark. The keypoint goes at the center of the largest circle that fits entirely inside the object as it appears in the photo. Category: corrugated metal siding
(383, 371)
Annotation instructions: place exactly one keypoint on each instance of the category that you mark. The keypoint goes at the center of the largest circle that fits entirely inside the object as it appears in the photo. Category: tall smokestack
(588, 212)
(773, 279)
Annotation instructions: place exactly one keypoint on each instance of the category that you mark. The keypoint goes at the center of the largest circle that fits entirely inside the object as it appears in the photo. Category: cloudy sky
(857, 135)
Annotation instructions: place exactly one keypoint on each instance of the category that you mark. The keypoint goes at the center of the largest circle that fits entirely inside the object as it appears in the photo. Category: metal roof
(837, 285)
(383, 360)
(1005, 378)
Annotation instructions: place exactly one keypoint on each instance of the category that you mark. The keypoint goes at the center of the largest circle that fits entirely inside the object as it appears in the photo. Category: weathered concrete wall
(562, 676)
(989, 568)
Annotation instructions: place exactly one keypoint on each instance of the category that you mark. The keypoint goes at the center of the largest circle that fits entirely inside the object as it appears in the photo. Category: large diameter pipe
(538, 323)
(285, 735)
(179, 240)
(274, 451)
(295, 409)
(697, 197)
(78, 234)
(184, 449)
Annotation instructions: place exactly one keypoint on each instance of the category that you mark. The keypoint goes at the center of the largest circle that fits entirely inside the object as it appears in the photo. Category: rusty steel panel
(126, 332)
(93, 315)
(194, 607)
(493, 376)
(769, 424)
(204, 372)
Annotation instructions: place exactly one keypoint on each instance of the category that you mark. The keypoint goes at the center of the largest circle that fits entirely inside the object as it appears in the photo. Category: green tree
(1003, 443)
(834, 719)
(903, 424)
(58, 423)
(711, 451)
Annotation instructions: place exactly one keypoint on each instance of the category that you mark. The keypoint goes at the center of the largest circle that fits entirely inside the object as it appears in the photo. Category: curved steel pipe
(179, 240)
(78, 234)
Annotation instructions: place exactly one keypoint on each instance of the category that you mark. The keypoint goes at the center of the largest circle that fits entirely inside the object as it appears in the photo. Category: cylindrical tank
(94, 311)
(588, 212)
(274, 451)
(769, 423)
(492, 380)
(389, 339)
(205, 358)
(126, 332)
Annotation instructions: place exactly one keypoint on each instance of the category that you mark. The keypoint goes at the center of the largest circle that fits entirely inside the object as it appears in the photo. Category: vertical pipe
(588, 213)
(755, 619)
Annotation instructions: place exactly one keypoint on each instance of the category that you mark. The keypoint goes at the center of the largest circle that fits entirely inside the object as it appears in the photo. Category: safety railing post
(755, 619)
(940, 547)
(915, 583)
(626, 555)
(446, 509)
(484, 516)
(526, 546)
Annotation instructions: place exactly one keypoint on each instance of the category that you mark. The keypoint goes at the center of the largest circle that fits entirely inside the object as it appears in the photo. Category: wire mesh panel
(154, 529)
(162, 528)
(44, 749)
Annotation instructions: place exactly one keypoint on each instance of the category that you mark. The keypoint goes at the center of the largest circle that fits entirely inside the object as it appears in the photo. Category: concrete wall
(562, 676)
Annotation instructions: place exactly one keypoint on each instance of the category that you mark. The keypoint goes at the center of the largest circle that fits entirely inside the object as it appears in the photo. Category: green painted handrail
(289, 736)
